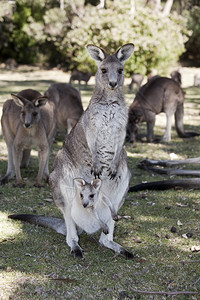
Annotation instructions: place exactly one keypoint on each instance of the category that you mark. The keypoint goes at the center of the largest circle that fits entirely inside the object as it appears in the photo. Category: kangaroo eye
(81, 195)
(120, 71)
(23, 113)
(92, 196)
(34, 113)
(103, 71)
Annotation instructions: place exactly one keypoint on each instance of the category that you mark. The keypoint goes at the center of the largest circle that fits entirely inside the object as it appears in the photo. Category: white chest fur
(85, 218)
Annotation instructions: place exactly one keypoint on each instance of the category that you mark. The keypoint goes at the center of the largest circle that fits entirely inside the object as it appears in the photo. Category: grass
(35, 263)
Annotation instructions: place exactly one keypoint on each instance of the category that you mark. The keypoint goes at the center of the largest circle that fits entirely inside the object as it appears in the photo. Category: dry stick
(189, 261)
(196, 281)
(164, 293)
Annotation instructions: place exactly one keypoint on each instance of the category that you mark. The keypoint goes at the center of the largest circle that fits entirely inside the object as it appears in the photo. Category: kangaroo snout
(27, 125)
(85, 204)
(113, 85)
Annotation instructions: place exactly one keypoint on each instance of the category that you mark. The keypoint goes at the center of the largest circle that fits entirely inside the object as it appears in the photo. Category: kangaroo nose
(85, 204)
(113, 84)
(27, 125)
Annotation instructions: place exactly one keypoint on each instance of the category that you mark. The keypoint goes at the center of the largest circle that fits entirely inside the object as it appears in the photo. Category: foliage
(193, 45)
(40, 31)
(158, 41)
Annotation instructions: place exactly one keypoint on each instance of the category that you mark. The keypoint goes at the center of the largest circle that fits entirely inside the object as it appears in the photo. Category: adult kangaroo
(94, 148)
(28, 121)
(160, 94)
(79, 76)
(68, 105)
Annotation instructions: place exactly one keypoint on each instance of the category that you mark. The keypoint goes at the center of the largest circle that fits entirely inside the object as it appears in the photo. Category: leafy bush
(158, 41)
(193, 44)
(42, 31)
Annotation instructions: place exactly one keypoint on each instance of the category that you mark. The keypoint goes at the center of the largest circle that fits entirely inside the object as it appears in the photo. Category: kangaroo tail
(193, 183)
(55, 223)
(179, 123)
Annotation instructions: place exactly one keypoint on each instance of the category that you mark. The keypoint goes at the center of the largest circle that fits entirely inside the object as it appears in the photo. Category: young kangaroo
(27, 121)
(87, 196)
(68, 105)
(94, 148)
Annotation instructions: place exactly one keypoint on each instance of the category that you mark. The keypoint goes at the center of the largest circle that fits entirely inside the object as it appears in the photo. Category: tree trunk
(167, 8)
(62, 5)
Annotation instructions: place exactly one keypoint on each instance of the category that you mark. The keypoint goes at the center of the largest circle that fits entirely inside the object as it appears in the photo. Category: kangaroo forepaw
(112, 175)
(115, 217)
(97, 172)
(106, 230)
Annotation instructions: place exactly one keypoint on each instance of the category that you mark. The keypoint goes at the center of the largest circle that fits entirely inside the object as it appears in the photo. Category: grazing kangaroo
(160, 94)
(27, 121)
(79, 76)
(94, 149)
(68, 105)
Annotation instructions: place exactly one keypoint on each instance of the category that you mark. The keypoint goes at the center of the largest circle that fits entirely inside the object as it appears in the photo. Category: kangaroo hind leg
(107, 241)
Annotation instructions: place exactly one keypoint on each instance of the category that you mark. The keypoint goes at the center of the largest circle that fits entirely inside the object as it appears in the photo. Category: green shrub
(158, 41)
(40, 30)
(193, 44)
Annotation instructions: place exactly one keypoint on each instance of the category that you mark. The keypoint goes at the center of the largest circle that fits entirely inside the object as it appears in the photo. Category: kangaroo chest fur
(85, 218)
(107, 125)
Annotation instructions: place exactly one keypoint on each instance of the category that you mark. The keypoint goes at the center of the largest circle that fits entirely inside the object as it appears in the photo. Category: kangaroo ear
(96, 53)
(79, 182)
(125, 52)
(40, 101)
(96, 183)
(19, 100)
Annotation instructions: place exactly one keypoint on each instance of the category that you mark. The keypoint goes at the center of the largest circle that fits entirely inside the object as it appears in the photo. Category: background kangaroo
(27, 121)
(160, 94)
(79, 76)
(68, 105)
(137, 79)
(94, 148)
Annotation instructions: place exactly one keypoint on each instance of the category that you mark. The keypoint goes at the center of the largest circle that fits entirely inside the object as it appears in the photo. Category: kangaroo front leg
(107, 241)
(104, 227)
(118, 142)
(96, 168)
(111, 207)
(72, 235)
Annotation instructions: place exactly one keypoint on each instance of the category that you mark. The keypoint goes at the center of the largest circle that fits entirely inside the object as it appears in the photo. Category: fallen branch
(66, 280)
(164, 293)
(56, 263)
(196, 281)
(189, 261)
